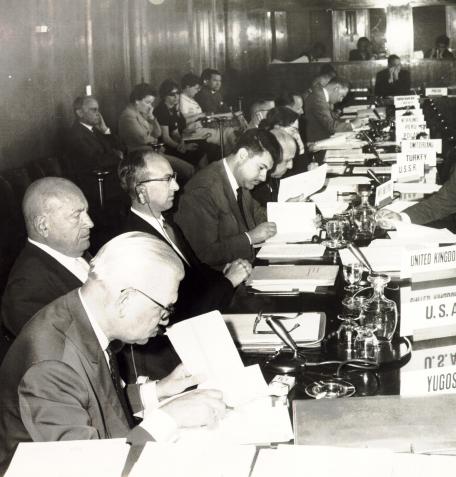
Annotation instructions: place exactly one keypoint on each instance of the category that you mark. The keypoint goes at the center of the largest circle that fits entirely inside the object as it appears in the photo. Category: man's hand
(176, 382)
(101, 124)
(262, 232)
(385, 218)
(237, 271)
(298, 198)
(197, 408)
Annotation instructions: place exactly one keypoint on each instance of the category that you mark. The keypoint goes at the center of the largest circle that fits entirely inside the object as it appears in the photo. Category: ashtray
(330, 389)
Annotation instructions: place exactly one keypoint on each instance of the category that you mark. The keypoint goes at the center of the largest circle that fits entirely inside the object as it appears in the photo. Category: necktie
(115, 376)
(241, 205)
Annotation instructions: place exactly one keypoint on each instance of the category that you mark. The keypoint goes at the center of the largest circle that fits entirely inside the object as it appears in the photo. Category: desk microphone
(281, 363)
(373, 176)
(360, 256)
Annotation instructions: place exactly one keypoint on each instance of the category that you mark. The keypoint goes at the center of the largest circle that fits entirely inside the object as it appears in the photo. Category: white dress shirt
(76, 265)
(157, 224)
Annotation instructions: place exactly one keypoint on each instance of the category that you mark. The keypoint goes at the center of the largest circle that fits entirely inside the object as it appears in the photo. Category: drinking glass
(352, 275)
(334, 232)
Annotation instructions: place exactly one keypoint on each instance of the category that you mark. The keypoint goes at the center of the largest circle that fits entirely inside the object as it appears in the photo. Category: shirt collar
(231, 179)
(153, 221)
(325, 92)
(88, 126)
(101, 337)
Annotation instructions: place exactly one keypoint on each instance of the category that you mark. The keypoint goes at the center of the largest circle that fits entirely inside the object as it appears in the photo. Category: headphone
(142, 195)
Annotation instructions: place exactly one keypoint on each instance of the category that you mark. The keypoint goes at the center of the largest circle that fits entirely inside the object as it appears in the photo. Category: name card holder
(407, 101)
(384, 194)
(436, 92)
(422, 145)
(409, 167)
(429, 263)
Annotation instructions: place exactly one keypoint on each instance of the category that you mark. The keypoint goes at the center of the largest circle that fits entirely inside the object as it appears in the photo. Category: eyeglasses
(173, 93)
(168, 309)
(169, 178)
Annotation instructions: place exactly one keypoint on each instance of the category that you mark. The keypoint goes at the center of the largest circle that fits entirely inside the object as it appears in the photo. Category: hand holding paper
(305, 184)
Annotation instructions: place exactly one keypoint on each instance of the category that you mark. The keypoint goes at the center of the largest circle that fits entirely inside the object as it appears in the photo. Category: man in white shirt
(53, 261)
(60, 379)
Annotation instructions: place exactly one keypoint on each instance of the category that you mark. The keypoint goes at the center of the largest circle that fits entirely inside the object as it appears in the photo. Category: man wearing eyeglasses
(152, 185)
(217, 213)
(60, 379)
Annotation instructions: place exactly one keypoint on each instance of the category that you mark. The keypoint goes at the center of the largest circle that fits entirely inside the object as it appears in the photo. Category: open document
(206, 348)
(295, 221)
(305, 183)
(290, 251)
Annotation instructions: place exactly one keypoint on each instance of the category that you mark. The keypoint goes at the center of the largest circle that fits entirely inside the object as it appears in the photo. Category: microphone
(360, 256)
(279, 329)
(373, 176)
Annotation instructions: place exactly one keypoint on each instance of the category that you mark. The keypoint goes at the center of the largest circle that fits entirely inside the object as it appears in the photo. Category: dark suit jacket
(397, 88)
(321, 122)
(35, 280)
(355, 55)
(211, 220)
(211, 103)
(437, 206)
(266, 191)
(202, 289)
(56, 384)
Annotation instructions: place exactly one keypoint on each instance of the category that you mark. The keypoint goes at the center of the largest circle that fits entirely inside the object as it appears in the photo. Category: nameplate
(428, 263)
(422, 144)
(384, 193)
(428, 313)
(409, 134)
(409, 113)
(429, 372)
(436, 92)
(403, 120)
(406, 101)
(409, 167)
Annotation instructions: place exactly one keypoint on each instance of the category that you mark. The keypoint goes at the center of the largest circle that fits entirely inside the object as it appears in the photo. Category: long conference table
(406, 384)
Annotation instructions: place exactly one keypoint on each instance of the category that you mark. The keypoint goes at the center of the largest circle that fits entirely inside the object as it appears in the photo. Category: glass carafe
(364, 218)
(380, 313)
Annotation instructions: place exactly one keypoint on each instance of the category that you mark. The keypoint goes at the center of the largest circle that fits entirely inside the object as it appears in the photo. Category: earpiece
(142, 195)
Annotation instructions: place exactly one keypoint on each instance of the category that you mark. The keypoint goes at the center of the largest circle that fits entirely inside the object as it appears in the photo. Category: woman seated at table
(139, 129)
(193, 114)
(173, 124)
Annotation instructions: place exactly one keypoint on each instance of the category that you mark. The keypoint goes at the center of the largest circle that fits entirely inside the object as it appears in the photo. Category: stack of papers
(328, 203)
(292, 277)
(346, 183)
(342, 140)
(422, 234)
(305, 183)
(303, 328)
(291, 251)
(295, 221)
(416, 187)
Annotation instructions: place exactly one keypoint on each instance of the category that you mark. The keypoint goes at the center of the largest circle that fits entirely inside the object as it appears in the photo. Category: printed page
(304, 183)
(295, 221)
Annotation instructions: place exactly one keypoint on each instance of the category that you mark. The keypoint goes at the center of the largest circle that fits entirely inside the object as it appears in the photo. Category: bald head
(130, 298)
(289, 148)
(56, 214)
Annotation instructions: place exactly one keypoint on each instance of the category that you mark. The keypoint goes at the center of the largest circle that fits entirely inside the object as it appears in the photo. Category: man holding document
(60, 378)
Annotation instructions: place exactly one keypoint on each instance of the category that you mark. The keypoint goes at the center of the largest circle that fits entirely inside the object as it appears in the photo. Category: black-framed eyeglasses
(168, 309)
(169, 178)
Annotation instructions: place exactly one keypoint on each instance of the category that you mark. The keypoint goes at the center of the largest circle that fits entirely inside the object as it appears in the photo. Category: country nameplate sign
(409, 167)
(408, 113)
(429, 263)
(409, 134)
(428, 313)
(406, 101)
(403, 120)
(422, 144)
(436, 92)
(429, 372)
(384, 193)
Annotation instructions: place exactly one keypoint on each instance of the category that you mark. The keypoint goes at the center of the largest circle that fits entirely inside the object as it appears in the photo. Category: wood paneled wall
(52, 49)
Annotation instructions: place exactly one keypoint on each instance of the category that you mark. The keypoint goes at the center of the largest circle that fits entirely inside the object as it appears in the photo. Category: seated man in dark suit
(321, 119)
(151, 184)
(393, 81)
(90, 146)
(210, 97)
(438, 206)
(363, 51)
(217, 214)
(52, 262)
(60, 379)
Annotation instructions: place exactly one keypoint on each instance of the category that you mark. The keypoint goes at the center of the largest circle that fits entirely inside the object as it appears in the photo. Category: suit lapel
(92, 358)
(229, 193)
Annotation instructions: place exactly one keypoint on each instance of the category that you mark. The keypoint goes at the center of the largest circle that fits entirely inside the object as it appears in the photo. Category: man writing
(59, 378)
